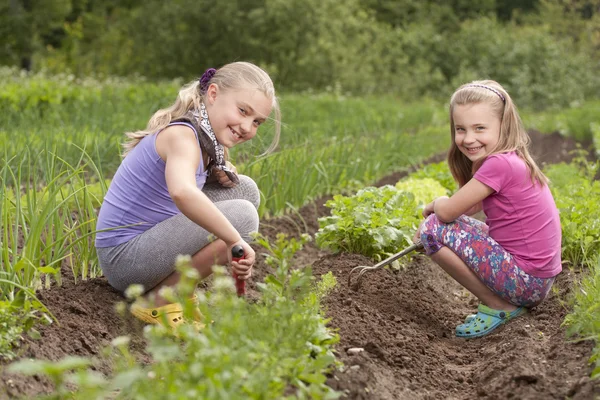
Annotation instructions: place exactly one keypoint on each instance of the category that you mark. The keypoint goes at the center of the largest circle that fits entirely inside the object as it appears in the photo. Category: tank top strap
(188, 125)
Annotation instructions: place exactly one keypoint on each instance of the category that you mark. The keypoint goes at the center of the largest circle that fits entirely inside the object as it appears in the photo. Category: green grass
(577, 122)
(328, 142)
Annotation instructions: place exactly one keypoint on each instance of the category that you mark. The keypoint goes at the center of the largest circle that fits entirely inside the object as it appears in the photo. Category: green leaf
(48, 270)
(34, 334)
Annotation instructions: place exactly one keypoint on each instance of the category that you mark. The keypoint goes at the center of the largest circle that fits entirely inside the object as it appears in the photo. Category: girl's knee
(246, 221)
(430, 225)
(430, 234)
(250, 190)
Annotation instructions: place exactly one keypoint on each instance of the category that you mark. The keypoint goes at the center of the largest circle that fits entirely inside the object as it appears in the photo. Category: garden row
(281, 341)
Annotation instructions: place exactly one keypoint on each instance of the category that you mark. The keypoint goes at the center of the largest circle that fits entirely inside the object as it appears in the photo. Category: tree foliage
(25, 25)
(545, 50)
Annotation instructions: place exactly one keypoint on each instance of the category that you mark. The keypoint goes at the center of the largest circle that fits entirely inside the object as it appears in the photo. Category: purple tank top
(138, 194)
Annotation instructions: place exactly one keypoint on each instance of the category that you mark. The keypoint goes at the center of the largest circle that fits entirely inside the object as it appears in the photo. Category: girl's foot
(170, 315)
(486, 320)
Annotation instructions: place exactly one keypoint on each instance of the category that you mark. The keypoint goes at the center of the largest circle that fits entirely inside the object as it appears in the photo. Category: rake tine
(362, 270)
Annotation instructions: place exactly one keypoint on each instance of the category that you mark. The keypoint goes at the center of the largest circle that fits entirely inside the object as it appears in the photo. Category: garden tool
(237, 253)
(362, 269)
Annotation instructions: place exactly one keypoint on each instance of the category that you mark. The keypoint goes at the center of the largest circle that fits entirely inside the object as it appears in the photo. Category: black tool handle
(237, 253)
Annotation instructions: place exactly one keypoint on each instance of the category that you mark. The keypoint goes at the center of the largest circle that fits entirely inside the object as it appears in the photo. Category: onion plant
(47, 220)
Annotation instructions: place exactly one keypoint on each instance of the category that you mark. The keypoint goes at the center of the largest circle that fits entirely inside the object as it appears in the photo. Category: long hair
(237, 75)
(513, 136)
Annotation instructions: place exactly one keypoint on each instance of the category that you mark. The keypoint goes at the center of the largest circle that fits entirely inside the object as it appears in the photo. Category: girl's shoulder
(509, 156)
(178, 127)
(178, 135)
(509, 159)
(501, 167)
(178, 131)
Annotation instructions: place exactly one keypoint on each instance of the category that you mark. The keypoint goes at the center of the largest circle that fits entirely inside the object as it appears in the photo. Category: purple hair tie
(205, 79)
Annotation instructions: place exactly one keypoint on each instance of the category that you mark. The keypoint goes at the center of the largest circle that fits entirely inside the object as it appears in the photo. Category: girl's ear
(211, 93)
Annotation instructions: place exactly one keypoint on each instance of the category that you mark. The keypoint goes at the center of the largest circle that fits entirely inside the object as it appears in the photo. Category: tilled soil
(402, 324)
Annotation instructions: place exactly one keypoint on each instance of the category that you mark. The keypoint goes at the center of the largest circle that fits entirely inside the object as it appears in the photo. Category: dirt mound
(554, 148)
(88, 322)
(404, 322)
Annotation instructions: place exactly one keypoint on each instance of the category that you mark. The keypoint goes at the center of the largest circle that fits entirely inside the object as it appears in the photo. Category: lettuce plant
(439, 172)
(375, 222)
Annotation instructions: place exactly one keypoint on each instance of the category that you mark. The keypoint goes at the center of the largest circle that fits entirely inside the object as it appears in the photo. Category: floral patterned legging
(495, 267)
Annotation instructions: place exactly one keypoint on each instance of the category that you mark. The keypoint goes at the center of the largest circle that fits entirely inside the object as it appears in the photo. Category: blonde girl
(510, 261)
(174, 187)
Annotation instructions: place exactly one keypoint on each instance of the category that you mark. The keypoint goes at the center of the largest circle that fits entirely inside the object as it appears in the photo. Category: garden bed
(404, 321)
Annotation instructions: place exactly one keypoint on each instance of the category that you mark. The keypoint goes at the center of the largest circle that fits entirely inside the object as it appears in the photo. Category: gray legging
(150, 257)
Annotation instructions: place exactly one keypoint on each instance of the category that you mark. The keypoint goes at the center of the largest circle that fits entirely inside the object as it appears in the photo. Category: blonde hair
(237, 75)
(513, 136)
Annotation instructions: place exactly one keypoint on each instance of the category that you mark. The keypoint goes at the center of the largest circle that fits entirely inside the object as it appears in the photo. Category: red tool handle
(237, 253)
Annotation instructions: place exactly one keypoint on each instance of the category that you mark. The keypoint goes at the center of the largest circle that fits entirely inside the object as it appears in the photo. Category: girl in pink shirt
(510, 261)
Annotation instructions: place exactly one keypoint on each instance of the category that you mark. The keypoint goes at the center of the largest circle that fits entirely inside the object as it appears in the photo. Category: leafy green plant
(10, 331)
(18, 316)
(440, 172)
(280, 344)
(56, 371)
(276, 347)
(575, 193)
(424, 190)
(285, 280)
(374, 222)
(595, 127)
(584, 319)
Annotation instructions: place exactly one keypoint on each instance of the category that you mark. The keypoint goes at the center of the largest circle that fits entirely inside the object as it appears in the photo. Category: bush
(576, 193)
(537, 69)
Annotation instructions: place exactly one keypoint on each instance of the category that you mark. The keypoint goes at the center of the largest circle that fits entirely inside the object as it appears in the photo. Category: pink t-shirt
(522, 216)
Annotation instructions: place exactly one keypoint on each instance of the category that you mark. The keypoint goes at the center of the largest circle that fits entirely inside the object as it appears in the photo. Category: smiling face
(476, 129)
(235, 115)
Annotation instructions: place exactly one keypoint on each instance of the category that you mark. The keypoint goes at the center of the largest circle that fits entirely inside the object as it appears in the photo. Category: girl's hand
(221, 176)
(428, 210)
(417, 236)
(242, 268)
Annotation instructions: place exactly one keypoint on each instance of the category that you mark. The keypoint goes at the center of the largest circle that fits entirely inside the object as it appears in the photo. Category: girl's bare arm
(179, 148)
(467, 199)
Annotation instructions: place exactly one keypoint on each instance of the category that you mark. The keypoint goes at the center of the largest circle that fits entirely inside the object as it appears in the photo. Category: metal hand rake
(362, 269)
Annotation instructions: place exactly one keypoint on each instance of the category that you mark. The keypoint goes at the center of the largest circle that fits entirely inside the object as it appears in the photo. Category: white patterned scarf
(208, 141)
